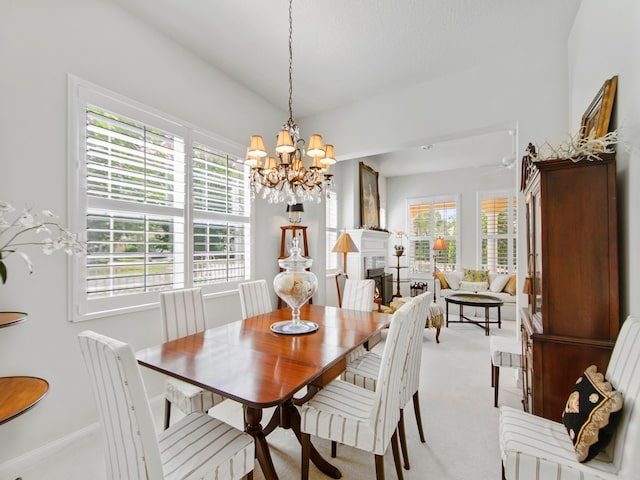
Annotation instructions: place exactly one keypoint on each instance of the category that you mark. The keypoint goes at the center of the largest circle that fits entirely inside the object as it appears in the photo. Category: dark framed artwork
(369, 197)
(595, 121)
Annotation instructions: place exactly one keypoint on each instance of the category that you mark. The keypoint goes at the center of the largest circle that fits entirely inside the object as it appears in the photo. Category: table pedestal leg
(293, 420)
(252, 417)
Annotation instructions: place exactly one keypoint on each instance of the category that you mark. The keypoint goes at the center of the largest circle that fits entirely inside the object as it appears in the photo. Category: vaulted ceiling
(347, 51)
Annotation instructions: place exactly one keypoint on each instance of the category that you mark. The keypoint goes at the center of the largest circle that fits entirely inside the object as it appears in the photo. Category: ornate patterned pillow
(591, 414)
(476, 275)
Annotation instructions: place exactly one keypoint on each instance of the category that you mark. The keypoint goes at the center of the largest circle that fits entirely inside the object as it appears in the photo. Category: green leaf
(3, 272)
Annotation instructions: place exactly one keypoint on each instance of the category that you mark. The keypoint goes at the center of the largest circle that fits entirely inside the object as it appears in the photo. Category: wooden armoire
(572, 317)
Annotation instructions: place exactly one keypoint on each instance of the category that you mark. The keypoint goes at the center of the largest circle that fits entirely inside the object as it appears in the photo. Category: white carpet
(460, 422)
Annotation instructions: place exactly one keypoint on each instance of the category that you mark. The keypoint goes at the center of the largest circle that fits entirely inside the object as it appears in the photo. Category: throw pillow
(476, 275)
(510, 287)
(453, 279)
(443, 281)
(498, 283)
(591, 414)
(474, 286)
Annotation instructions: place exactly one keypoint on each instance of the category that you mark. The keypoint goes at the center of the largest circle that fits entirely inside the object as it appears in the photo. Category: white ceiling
(346, 51)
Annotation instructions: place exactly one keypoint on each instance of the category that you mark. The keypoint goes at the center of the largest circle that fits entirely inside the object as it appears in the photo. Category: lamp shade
(316, 149)
(329, 156)
(285, 143)
(296, 207)
(345, 244)
(440, 244)
(256, 147)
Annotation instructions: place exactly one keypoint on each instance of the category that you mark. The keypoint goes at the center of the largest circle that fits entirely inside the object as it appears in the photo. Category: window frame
(82, 93)
(431, 200)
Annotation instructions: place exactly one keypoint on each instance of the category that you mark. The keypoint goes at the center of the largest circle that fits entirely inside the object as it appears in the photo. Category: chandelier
(285, 177)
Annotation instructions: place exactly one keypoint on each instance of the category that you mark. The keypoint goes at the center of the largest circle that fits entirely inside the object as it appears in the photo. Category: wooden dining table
(249, 363)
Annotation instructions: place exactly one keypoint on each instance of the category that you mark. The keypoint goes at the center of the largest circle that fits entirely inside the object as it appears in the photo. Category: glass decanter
(295, 285)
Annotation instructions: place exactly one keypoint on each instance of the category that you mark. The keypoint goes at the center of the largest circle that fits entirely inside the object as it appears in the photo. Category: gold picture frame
(596, 119)
(369, 197)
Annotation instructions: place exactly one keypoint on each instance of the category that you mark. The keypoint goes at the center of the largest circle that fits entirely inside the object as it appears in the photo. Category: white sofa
(458, 285)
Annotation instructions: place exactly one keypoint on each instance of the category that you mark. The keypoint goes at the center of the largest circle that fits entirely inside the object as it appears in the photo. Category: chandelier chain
(290, 63)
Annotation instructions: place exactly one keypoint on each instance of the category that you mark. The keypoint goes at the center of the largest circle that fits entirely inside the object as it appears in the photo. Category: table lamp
(439, 245)
(344, 245)
(295, 212)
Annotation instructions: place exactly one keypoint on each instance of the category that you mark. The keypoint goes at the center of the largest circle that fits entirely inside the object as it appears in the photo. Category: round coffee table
(474, 300)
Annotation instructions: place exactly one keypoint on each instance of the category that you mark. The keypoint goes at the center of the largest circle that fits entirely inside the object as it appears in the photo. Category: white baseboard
(12, 469)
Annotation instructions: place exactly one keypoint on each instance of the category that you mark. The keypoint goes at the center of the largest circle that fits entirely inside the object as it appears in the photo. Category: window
(430, 218)
(498, 231)
(162, 205)
(331, 207)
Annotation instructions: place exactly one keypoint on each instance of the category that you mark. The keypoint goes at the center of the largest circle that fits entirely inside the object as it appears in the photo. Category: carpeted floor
(460, 422)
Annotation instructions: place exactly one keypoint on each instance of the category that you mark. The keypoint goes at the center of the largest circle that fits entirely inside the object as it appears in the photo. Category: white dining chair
(254, 298)
(354, 416)
(536, 448)
(196, 447)
(183, 314)
(364, 371)
(358, 295)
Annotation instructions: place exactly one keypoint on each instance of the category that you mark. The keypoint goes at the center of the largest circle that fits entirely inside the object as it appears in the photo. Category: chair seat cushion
(340, 412)
(189, 398)
(535, 448)
(364, 371)
(216, 443)
(505, 352)
(356, 353)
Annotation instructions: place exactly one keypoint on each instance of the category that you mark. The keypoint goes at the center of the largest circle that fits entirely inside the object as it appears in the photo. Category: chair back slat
(623, 373)
(130, 443)
(386, 412)
(359, 294)
(254, 298)
(183, 313)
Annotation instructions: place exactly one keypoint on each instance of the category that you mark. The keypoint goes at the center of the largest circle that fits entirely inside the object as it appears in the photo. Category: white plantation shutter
(163, 206)
(498, 231)
(331, 208)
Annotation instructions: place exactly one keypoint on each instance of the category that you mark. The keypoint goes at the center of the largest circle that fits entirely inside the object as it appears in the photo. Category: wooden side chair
(535, 448)
(345, 413)
(183, 314)
(254, 298)
(507, 353)
(196, 447)
(364, 371)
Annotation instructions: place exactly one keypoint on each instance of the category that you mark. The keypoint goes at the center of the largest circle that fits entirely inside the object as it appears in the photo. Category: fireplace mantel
(372, 246)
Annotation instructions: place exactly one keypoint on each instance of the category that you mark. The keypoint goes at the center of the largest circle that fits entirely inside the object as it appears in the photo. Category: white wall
(40, 42)
(605, 41)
